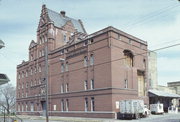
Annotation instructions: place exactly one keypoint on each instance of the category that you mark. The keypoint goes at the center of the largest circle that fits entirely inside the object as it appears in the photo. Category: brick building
(88, 74)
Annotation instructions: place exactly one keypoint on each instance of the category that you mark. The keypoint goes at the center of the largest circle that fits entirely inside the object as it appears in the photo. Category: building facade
(87, 74)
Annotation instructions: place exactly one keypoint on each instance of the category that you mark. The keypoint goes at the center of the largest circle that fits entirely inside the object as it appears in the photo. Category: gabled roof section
(60, 20)
(32, 44)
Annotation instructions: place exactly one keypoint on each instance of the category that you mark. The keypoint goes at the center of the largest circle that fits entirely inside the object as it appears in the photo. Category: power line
(149, 17)
(167, 42)
(155, 50)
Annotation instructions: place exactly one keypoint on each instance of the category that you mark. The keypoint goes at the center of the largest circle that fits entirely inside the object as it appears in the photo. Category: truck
(156, 108)
(133, 109)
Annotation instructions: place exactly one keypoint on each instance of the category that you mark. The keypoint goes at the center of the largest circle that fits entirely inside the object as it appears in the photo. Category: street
(152, 118)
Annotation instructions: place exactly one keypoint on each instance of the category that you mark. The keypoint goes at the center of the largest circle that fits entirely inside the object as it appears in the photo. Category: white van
(157, 108)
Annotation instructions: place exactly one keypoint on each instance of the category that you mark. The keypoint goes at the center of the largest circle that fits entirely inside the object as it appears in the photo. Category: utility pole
(46, 77)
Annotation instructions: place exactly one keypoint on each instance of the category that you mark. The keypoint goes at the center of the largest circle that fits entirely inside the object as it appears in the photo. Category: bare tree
(8, 97)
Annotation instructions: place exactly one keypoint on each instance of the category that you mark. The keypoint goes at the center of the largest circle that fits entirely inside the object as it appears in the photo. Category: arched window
(128, 58)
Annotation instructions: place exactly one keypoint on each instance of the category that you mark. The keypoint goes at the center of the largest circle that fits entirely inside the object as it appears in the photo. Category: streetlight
(3, 77)
(1, 44)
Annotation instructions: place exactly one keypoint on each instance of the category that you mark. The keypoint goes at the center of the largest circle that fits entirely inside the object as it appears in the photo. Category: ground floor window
(54, 107)
(62, 105)
(67, 105)
(32, 106)
(86, 104)
(92, 104)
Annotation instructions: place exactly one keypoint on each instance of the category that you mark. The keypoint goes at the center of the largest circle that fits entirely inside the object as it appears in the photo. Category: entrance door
(43, 104)
(141, 85)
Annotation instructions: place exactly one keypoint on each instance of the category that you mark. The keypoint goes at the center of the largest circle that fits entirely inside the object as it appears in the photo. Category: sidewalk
(66, 119)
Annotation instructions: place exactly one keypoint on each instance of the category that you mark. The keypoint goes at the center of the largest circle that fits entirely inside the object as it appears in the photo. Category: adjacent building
(158, 93)
(175, 86)
(152, 70)
(87, 73)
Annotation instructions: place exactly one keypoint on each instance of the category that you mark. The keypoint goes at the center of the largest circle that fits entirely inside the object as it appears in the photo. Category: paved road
(151, 118)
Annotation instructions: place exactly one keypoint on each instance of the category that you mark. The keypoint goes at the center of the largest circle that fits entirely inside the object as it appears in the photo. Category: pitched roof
(163, 94)
(60, 20)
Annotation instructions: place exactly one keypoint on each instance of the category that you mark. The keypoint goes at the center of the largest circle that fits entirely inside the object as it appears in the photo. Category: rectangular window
(86, 104)
(22, 74)
(19, 76)
(31, 83)
(31, 57)
(39, 68)
(65, 40)
(85, 85)
(40, 53)
(92, 104)
(38, 107)
(62, 88)
(62, 67)
(126, 83)
(31, 71)
(43, 53)
(67, 87)
(85, 61)
(35, 69)
(22, 107)
(26, 107)
(67, 105)
(62, 105)
(119, 37)
(92, 59)
(27, 85)
(66, 67)
(26, 73)
(32, 106)
(22, 85)
(54, 107)
(92, 83)
(18, 107)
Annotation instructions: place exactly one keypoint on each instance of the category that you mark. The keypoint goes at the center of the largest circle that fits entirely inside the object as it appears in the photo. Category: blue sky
(156, 22)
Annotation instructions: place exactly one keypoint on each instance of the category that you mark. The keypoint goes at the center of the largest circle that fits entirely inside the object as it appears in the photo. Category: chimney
(63, 13)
